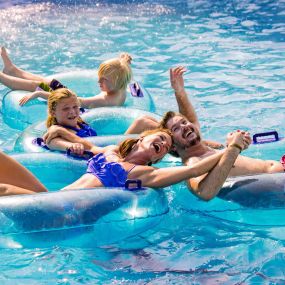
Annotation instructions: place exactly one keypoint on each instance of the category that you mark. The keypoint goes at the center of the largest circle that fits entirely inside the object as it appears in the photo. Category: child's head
(115, 74)
(63, 108)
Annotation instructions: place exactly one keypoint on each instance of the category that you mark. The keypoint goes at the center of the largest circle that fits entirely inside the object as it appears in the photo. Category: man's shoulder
(192, 160)
(195, 159)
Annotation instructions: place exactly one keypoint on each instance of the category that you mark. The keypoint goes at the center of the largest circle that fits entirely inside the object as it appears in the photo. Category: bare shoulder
(192, 160)
(111, 149)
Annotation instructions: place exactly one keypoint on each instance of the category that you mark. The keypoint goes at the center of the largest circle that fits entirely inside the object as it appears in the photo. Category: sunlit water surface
(234, 52)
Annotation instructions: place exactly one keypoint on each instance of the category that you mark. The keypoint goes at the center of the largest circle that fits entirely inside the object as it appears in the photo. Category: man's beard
(193, 142)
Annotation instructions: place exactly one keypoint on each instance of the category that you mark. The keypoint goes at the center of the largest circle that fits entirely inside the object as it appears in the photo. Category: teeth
(188, 133)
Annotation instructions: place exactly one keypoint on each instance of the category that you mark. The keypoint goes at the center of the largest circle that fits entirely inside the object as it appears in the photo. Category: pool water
(234, 53)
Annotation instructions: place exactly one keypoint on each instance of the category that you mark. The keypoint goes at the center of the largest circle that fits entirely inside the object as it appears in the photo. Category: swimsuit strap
(131, 168)
(71, 128)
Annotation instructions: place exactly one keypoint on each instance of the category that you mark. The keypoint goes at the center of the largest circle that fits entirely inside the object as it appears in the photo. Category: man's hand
(126, 57)
(176, 78)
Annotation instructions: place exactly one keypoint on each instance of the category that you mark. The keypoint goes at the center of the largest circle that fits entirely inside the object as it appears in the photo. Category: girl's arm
(63, 145)
(34, 95)
(59, 138)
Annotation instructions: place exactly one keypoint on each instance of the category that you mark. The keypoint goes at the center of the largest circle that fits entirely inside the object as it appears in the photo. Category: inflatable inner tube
(254, 200)
(106, 121)
(83, 83)
(90, 217)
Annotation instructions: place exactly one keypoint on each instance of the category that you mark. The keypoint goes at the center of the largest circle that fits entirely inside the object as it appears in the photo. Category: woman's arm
(162, 177)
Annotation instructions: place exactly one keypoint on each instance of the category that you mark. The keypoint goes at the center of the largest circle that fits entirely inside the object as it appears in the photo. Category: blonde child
(113, 78)
(64, 113)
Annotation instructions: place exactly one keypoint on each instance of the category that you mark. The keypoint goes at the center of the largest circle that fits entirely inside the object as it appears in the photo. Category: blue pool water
(234, 52)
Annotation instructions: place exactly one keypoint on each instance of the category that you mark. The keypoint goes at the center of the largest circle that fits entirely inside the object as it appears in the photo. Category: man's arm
(185, 106)
(208, 186)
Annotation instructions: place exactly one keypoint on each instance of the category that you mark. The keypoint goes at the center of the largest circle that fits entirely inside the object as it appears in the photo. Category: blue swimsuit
(84, 131)
(111, 174)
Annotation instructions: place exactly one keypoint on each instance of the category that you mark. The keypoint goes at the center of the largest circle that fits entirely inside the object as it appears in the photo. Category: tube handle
(266, 137)
(133, 184)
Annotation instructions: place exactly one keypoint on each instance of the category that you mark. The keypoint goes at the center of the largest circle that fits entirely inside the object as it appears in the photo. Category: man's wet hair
(162, 124)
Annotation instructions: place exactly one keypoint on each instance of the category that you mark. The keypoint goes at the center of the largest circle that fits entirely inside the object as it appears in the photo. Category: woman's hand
(241, 138)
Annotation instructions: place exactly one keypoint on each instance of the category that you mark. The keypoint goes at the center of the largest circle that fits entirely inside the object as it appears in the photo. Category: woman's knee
(4, 189)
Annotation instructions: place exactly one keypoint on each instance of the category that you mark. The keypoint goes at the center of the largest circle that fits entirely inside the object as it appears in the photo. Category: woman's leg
(16, 83)
(11, 69)
(15, 178)
(8, 190)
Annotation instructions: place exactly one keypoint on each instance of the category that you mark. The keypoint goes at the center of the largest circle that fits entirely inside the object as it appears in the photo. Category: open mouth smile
(157, 147)
(188, 133)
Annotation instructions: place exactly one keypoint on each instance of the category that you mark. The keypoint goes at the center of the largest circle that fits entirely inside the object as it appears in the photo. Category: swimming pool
(234, 52)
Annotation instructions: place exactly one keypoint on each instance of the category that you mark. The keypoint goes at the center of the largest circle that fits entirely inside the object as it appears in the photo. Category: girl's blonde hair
(127, 145)
(53, 99)
(118, 70)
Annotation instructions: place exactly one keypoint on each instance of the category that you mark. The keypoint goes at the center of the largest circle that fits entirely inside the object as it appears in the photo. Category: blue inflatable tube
(89, 218)
(256, 200)
(106, 121)
(84, 83)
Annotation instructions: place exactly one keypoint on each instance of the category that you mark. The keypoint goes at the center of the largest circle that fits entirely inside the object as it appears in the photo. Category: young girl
(64, 113)
(113, 78)
(112, 166)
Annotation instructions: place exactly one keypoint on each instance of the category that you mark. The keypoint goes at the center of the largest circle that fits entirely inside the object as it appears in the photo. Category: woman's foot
(9, 67)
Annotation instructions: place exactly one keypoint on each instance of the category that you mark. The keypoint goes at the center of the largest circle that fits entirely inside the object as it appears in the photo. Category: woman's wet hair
(127, 145)
(118, 70)
(53, 99)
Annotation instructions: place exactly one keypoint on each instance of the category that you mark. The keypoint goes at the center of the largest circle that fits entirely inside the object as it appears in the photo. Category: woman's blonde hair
(118, 70)
(127, 145)
(53, 99)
